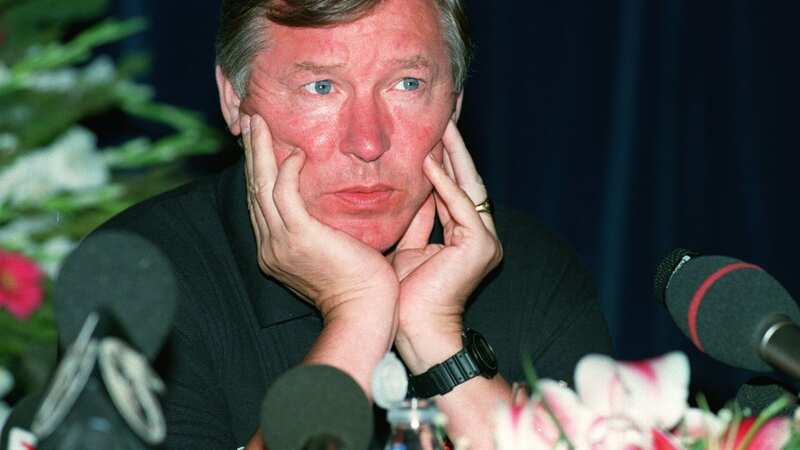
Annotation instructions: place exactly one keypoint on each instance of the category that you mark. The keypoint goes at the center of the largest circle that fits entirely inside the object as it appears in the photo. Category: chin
(378, 234)
(379, 238)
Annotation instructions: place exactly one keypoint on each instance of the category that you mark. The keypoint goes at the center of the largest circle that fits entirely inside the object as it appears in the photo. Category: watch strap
(443, 377)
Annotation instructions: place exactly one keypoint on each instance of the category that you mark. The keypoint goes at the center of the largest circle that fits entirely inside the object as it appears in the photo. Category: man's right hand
(352, 284)
(325, 266)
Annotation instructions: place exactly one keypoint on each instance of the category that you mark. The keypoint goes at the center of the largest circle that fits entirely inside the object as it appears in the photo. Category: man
(319, 247)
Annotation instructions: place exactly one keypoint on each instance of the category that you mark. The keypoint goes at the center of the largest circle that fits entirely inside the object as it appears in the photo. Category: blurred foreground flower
(629, 406)
(20, 284)
(6, 383)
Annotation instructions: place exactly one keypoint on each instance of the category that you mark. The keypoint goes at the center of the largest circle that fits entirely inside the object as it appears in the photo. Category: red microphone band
(700, 293)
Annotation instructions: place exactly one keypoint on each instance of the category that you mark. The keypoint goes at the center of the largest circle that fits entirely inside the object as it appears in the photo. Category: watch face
(482, 353)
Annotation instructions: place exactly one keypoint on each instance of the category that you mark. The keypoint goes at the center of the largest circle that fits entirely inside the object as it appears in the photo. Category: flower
(20, 284)
(6, 383)
(71, 164)
(628, 406)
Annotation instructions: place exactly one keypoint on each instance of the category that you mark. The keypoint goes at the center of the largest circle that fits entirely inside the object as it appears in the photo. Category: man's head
(364, 87)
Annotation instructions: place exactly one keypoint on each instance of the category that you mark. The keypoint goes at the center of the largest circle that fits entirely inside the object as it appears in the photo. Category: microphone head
(667, 267)
(16, 433)
(121, 273)
(759, 393)
(312, 403)
(725, 306)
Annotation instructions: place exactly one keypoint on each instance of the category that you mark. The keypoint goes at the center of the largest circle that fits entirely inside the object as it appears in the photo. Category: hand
(337, 273)
(436, 280)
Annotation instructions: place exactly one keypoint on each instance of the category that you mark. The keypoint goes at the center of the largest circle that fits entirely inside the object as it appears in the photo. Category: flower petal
(771, 436)
(652, 392)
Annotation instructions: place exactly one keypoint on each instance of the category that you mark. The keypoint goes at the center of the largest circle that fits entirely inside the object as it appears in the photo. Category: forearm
(470, 409)
(471, 405)
(353, 347)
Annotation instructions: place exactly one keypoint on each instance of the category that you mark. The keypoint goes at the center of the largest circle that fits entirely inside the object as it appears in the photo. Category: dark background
(630, 127)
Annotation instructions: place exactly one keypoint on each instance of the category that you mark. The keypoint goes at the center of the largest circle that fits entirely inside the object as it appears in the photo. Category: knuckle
(498, 252)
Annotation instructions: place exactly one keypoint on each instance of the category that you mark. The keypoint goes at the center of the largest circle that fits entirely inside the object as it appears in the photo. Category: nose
(367, 128)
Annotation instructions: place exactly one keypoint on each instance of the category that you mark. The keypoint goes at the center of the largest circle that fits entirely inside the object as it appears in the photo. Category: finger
(244, 125)
(466, 175)
(448, 165)
(287, 192)
(253, 209)
(441, 210)
(265, 172)
(419, 231)
(458, 204)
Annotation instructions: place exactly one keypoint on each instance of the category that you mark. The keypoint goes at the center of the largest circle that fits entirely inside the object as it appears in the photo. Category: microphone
(760, 392)
(731, 310)
(17, 434)
(316, 407)
(114, 299)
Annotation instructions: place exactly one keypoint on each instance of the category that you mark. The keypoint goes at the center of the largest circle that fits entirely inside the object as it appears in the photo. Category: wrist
(426, 345)
(366, 309)
(353, 347)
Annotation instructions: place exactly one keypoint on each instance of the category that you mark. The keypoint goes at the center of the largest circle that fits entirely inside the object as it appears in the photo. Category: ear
(457, 110)
(229, 102)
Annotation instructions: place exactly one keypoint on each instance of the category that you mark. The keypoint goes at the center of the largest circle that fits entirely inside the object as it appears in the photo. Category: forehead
(395, 30)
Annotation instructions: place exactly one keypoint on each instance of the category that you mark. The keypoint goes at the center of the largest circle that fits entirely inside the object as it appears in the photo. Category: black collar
(272, 303)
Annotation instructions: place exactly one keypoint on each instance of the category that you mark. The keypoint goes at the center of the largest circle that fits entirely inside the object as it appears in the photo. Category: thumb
(419, 231)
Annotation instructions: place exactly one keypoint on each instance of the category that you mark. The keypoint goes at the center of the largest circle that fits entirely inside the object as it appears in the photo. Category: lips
(365, 196)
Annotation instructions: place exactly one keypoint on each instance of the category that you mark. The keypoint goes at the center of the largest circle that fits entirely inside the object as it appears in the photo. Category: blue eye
(409, 84)
(321, 87)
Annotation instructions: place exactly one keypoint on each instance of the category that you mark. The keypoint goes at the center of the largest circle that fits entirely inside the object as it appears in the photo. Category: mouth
(365, 196)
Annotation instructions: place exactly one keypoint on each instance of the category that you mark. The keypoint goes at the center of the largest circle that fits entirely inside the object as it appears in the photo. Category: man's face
(366, 101)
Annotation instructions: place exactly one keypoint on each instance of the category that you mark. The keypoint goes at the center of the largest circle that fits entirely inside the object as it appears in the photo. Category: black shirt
(236, 330)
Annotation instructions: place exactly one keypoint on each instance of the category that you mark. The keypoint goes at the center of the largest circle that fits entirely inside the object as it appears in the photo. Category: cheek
(419, 138)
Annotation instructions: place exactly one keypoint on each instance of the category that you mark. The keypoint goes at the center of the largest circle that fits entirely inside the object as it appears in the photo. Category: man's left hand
(436, 280)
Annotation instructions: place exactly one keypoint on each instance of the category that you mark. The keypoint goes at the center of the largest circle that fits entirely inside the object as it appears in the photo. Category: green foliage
(56, 184)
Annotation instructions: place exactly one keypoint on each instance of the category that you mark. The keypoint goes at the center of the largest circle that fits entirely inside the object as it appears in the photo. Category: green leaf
(55, 55)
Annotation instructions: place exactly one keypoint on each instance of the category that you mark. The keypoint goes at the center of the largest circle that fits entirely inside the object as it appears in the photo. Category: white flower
(6, 384)
(63, 80)
(8, 142)
(5, 74)
(71, 163)
(74, 162)
(17, 234)
(52, 253)
(616, 405)
(100, 71)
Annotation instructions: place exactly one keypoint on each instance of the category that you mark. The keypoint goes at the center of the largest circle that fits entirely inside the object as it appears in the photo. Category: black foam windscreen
(728, 319)
(313, 403)
(666, 268)
(124, 274)
(759, 393)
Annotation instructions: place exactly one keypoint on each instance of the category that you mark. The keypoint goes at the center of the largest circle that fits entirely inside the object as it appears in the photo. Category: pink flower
(618, 405)
(651, 393)
(20, 284)
(771, 436)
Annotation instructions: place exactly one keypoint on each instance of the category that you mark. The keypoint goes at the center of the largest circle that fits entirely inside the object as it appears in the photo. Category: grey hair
(242, 31)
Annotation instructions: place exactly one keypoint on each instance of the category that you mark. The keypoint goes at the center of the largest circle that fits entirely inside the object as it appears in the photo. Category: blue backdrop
(630, 127)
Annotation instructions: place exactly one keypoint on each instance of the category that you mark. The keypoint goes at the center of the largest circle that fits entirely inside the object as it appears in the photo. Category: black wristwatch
(476, 358)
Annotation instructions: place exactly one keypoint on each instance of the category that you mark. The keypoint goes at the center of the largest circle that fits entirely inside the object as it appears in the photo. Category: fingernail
(245, 122)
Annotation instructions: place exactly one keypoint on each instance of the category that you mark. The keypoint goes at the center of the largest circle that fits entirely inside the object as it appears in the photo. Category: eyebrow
(415, 62)
(317, 69)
